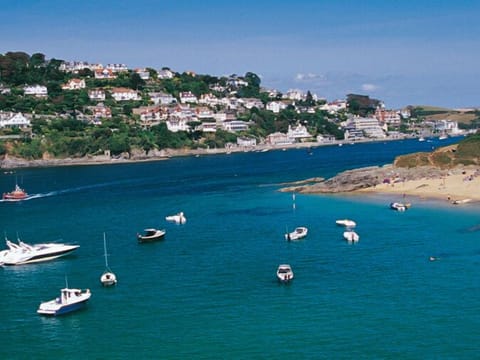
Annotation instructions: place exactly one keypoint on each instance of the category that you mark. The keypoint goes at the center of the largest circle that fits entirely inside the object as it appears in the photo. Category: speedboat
(151, 235)
(297, 234)
(17, 194)
(346, 222)
(69, 300)
(399, 206)
(177, 218)
(284, 273)
(351, 236)
(23, 253)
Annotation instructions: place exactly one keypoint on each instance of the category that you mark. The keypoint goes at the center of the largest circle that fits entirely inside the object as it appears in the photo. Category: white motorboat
(284, 273)
(299, 233)
(151, 235)
(108, 277)
(346, 222)
(69, 300)
(351, 236)
(177, 218)
(399, 206)
(23, 253)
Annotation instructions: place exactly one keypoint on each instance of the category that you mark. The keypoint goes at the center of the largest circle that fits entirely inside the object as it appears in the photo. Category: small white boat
(351, 236)
(421, 138)
(346, 222)
(177, 218)
(399, 206)
(69, 300)
(299, 233)
(151, 235)
(284, 273)
(461, 201)
(108, 278)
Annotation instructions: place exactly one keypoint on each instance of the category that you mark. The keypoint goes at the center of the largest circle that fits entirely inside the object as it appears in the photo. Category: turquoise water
(208, 291)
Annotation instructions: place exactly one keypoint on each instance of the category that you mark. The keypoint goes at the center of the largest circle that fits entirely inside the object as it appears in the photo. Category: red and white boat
(15, 195)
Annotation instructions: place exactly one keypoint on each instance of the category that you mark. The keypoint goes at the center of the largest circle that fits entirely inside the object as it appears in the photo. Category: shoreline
(10, 162)
(459, 186)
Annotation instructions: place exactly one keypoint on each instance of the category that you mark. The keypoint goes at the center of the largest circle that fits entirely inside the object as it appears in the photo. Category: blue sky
(402, 52)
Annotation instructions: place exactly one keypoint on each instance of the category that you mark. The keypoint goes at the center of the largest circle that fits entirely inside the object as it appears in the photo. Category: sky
(401, 52)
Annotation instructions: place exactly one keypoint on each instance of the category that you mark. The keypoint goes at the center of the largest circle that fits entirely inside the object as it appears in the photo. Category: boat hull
(38, 257)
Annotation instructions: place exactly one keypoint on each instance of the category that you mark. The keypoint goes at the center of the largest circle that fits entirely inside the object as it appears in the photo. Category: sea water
(209, 291)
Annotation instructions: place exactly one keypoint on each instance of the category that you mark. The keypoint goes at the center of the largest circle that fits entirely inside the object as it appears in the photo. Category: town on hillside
(92, 107)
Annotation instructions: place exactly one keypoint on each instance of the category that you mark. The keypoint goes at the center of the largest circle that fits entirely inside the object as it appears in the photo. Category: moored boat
(399, 206)
(177, 218)
(151, 235)
(346, 222)
(351, 236)
(23, 253)
(108, 277)
(17, 194)
(69, 300)
(299, 233)
(284, 273)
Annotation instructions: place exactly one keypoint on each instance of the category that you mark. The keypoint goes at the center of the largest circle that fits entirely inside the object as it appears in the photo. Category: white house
(187, 97)
(175, 124)
(165, 74)
(96, 94)
(74, 84)
(125, 94)
(235, 125)
(143, 73)
(9, 119)
(117, 67)
(278, 138)
(369, 126)
(101, 111)
(162, 98)
(246, 141)
(298, 132)
(36, 90)
(151, 115)
(105, 74)
(250, 103)
(276, 106)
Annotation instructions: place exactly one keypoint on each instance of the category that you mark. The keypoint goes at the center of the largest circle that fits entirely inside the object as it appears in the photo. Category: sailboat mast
(105, 249)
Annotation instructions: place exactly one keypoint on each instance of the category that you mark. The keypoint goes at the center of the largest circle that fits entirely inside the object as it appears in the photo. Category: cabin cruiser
(351, 236)
(284, 273)
(69, 300)
(151, 235)
(23, 253)
(297, 234)
(346, 222)
(177, 218)
(15, 195)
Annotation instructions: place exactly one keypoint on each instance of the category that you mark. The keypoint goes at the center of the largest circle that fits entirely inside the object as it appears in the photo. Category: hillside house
(74, 84)
(125, 94)
(36, 90)
(10, 120)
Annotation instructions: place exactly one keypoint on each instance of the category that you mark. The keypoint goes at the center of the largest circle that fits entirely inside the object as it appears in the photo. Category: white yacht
(284, 273)
(297, 234)
(23, 253)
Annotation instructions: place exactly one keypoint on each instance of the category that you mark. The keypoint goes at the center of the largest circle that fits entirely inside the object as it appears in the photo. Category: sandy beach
(460, 185)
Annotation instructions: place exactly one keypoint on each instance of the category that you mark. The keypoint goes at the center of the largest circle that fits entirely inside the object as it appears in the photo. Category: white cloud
(369, 87)
(308, 77)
